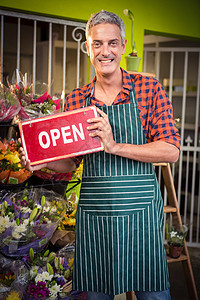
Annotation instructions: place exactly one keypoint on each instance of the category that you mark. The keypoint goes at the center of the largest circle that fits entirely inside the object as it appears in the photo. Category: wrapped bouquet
(28, 219)
(9, 104)
(13, 276)
(50, 275)
(33, 105)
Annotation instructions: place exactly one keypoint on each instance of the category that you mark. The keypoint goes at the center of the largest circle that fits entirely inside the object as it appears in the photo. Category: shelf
(182, 257)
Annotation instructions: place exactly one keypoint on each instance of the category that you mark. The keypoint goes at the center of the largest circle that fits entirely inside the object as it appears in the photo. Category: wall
(174, 17)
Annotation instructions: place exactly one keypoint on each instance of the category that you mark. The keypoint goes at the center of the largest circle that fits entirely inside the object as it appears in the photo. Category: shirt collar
(126, 85)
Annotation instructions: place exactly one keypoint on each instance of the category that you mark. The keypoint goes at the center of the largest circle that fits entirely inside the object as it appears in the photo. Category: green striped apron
(119, 243)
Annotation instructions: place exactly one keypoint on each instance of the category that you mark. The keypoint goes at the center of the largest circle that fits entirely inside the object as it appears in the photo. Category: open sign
(59, 136)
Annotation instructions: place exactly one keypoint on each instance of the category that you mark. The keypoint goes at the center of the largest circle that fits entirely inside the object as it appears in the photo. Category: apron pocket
(117, 196)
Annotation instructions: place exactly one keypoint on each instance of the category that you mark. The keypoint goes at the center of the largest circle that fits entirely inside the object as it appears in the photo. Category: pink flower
(57, 103)
(42, 99)
(17, 87)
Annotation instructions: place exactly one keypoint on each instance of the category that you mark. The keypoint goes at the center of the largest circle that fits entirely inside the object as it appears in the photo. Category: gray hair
(104, 16)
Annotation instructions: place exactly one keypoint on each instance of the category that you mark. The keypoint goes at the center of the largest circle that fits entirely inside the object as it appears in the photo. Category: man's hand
(101, 127)
(59, 166)
(26, 163)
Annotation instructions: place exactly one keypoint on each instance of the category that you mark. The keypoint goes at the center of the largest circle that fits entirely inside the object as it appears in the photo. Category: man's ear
(87, 47)
(124, 46)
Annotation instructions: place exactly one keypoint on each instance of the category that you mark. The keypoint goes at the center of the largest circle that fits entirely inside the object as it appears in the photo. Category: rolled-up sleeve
(163, 126)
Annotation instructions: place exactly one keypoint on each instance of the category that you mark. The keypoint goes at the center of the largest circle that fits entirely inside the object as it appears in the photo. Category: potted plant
(132, 60)
(175, 235)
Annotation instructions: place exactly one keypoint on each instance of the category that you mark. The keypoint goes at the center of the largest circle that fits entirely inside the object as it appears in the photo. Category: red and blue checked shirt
(155, 109)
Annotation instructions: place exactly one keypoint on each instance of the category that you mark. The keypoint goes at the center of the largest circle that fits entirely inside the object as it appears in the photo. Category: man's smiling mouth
(106, 61)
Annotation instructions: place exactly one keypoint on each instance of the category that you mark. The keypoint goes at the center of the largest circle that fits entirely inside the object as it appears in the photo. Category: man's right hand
(60, 166)
(26, 163)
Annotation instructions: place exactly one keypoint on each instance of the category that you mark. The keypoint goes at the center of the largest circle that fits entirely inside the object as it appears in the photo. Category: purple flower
(23, 203)
(40, 294)
(41, 284)
(65, 265)
(32, 289)
(60, 281)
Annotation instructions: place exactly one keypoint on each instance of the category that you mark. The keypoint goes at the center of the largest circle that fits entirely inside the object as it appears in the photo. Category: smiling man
(119, 246)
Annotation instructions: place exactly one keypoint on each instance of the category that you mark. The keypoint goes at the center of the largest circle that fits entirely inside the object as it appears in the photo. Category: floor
(177, 278)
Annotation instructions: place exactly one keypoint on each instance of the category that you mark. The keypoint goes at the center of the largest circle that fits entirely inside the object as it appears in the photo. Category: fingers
(101, 113)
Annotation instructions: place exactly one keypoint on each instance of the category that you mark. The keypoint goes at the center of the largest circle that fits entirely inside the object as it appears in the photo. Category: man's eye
(114, 44)
(96, 45)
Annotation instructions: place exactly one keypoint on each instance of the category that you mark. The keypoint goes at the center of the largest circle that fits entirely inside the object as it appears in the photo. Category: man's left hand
(101, 127)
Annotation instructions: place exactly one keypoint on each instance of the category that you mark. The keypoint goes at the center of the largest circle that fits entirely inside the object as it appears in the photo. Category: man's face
(105, 48)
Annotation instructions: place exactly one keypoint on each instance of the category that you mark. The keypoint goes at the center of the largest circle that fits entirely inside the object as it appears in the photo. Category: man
(119, 224)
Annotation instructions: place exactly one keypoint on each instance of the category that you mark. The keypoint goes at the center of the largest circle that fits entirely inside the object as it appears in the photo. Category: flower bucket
(132, 63)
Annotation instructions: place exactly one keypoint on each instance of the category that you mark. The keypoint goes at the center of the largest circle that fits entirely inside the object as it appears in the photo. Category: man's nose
(105, 50)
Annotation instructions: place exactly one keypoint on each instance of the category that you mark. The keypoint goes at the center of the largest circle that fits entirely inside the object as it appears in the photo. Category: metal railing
(77, 36)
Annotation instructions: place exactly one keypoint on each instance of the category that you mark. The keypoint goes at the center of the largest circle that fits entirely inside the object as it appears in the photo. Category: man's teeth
(105, 61)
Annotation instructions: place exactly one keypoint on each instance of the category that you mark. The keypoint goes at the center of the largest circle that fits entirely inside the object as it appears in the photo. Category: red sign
(59, 136)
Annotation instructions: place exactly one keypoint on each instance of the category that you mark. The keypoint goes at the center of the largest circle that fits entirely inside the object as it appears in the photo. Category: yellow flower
(15, 157)
(2, 156)
(13, 296)
(12, 157)
(70, 262)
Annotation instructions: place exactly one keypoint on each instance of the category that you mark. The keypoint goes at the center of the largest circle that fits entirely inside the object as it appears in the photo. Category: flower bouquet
(13, 275)
(33, 105)
(50, 275)
(28, 219)
(9, 104)
(66, 230)
(11, 169)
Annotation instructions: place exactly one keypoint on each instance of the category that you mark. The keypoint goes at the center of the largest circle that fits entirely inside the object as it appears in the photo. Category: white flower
(26, 222)
(45, 209)
(4, 221)
(21, 228)
(25, 209)
(16, 235)
(44, 276)
(55, 289)
(33, 271)
(172, 234)
(54, 209)
(39, 277)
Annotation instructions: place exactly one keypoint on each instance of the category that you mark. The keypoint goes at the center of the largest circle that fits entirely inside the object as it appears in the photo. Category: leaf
(33, 214)
(31, 254)
(5, 204)
(43, 200)
(51, 257)
(50, 269)
(46, 253)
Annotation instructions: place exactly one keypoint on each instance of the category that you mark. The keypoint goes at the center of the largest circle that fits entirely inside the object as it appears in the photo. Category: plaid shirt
(155, 109)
